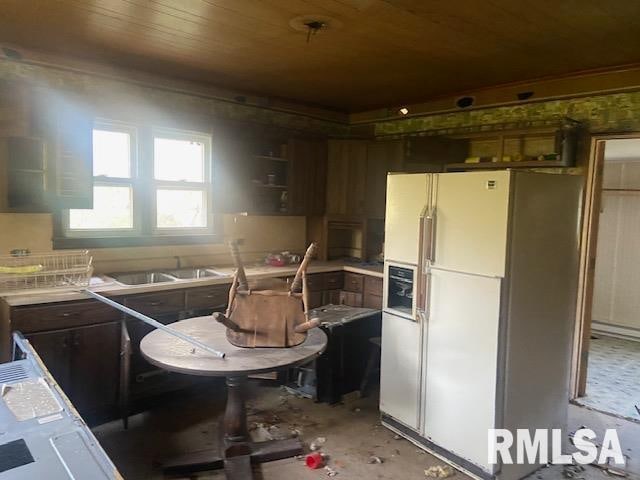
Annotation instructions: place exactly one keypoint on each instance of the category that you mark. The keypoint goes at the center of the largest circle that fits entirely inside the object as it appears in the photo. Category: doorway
(608, 365)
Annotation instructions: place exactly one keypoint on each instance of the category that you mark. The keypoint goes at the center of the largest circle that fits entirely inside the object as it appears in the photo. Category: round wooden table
(175, 355)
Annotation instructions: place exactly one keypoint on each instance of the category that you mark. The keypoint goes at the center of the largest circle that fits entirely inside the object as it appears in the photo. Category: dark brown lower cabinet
(85, 362)
(351, 299)
(331, 296)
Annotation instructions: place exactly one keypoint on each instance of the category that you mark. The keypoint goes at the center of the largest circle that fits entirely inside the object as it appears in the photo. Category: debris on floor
(439, 471)
(317, 444)
(375, 459)
(575, 472)
(330, 471)
(611, 471)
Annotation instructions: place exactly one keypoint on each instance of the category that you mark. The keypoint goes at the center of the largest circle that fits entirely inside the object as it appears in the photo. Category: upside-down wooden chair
(268, 312)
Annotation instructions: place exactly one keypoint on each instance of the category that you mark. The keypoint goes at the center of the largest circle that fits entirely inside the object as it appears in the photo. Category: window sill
(136, 241)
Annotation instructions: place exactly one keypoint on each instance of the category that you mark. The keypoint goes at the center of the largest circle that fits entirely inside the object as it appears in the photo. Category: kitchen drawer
(213, 296)
(157, 303)
(351, 299)
(373, 285)
(333, 280)
(353, 282)
(315, 282)
(55, 316)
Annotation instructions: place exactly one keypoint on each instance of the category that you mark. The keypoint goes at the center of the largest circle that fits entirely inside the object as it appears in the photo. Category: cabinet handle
(154, 304)
(68, 314)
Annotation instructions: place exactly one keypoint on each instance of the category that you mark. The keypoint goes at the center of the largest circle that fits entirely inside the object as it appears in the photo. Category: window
(180, 171)
(114, 152)
(148, 184)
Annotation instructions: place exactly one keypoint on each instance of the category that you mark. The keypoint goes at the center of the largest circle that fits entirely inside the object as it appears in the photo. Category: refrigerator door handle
(429, 226)
(425, 246)
(427, 222)
(431, 247)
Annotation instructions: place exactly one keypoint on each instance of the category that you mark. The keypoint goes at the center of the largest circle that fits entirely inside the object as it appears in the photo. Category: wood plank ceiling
(381, 53)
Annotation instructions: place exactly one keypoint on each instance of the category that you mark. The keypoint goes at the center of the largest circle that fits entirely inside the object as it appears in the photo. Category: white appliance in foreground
(479, 300)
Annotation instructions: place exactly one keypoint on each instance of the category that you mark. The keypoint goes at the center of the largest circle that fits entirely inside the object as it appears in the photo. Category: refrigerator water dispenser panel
(400, 290)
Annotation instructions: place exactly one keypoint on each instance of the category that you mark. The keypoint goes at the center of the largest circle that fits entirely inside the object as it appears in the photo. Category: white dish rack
(71, 268)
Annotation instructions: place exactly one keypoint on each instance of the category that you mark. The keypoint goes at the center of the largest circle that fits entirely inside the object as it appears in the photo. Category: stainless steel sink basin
(194, 273)
(141, 278)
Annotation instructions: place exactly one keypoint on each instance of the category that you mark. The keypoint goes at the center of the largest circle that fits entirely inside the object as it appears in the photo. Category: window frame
(132, 182)
(205, 186)
(144, 196)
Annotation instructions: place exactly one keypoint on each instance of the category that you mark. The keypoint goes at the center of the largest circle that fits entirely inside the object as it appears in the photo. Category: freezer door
(461, 363)
(471, 217)
(400, 369)
(407, 196)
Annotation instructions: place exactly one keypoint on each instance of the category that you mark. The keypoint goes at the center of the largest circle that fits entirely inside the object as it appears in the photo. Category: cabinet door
(351, 299)
(95, 368)
(382, 158)
(356, 188)
(331, 297)
(54, 348)
(346, 177)
(67, 125)
(307, 176)
(315, 299)
(231, 154)
(372, 292)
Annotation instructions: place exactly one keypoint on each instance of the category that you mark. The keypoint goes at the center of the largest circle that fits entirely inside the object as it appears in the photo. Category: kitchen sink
(194, 273)
(141, 278)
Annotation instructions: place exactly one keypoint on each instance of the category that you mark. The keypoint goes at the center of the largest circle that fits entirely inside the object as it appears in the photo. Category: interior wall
(261, 235)
(147, 104)
(616, 303)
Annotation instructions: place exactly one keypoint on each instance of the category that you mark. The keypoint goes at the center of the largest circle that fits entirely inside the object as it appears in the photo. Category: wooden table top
(173, 354)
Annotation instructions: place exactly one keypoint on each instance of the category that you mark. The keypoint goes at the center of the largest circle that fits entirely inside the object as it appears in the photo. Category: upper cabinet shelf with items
(550, 147)
(264, 172)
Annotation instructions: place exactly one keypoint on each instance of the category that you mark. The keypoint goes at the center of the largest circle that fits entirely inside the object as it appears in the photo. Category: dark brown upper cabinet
(49, 166)
(307, 176)
(69, 133)
(266, 172)
(26, 173)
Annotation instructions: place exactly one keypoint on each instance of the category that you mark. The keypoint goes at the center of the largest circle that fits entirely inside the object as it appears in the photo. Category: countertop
(107, 286)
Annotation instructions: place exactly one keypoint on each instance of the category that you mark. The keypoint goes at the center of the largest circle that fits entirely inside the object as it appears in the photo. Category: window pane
(181, 209)
(178, 160)
(111, 154)
(112, 209)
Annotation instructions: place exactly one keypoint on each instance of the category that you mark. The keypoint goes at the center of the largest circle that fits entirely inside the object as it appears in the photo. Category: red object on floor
(314, 460)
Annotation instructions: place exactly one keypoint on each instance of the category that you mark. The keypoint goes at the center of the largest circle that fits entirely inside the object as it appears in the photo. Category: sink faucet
(178, 261)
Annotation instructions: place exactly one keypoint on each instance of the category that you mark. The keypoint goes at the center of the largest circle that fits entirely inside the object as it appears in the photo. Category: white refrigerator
(479, 304)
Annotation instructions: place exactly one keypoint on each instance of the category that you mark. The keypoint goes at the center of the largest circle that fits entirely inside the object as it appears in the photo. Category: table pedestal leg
(238, 452)
(235, 414)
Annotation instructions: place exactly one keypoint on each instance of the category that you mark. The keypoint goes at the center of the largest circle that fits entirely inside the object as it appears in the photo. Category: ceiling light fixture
(313, 27)
(403, 111)
(314, 23)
